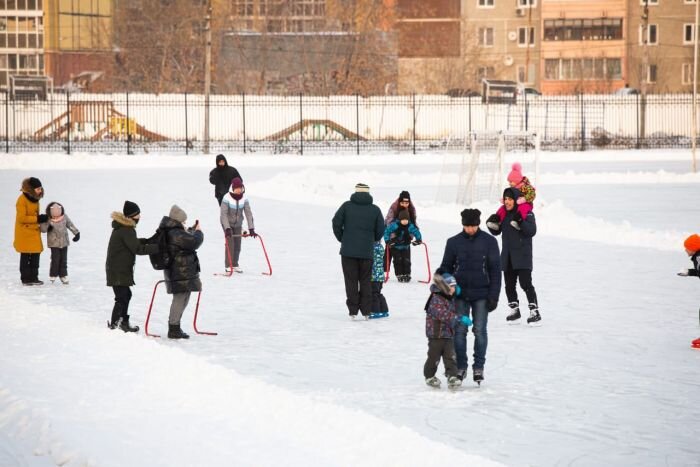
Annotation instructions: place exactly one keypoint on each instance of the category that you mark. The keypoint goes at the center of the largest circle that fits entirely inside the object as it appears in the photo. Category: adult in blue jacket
(516, 256)
(357, 224)
(472, 256)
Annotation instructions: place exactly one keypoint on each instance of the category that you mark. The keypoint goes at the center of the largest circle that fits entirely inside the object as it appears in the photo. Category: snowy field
(609, 379)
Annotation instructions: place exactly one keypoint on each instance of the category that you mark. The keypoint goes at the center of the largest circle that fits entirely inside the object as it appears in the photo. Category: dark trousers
(122, 297)
(379, 304)
(402, 261)
(512, 276)
(440, 348)
(59, 262)
(29, 267)
(358, 289)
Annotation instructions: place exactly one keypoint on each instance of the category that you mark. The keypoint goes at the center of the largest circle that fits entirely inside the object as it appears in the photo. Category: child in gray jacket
(234, 207)
(56, 230)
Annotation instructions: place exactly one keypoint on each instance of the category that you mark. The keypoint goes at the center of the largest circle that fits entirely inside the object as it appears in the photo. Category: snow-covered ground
(609, 379)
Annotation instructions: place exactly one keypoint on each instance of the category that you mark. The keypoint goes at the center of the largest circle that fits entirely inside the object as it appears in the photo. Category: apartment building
(502, 40)
(79, 40)
(660, 46)
(21, 40)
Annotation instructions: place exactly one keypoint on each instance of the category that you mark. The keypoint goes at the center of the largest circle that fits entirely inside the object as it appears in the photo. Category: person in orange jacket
(28, 230)
(692, 248)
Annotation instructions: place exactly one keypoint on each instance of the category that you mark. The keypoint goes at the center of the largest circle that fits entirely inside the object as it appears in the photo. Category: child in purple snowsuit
(440, 322)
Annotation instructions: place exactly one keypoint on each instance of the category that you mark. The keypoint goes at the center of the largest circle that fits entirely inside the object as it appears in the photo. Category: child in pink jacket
(516, 179)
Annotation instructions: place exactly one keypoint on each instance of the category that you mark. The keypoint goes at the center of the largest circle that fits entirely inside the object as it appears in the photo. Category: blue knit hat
(449, 279)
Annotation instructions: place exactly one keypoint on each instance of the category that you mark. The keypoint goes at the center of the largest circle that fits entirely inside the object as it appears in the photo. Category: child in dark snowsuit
(398, 236)
(57, 239)
(379, 305)
(440, 322)
(692, 247)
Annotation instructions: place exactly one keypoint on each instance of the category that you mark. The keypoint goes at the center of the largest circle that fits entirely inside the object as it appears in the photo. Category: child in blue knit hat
(380, 309)
(440, 321)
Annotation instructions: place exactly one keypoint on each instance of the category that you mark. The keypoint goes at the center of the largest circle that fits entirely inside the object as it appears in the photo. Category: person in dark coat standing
(182, 276)
(516, 256)
(221, 177)
(121, 258)
(357, 224)
(472, 256)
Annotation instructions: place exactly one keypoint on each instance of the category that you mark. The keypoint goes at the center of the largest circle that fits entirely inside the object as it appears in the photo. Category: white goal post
(486, 158)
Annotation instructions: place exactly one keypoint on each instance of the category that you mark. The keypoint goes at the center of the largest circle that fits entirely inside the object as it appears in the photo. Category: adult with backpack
(182, 269)
(221, 177)
(121, 258)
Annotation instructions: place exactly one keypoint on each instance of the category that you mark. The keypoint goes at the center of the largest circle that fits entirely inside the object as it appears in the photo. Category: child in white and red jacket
(692, 247)
(440, 321)
(57, 239)
(516, 179)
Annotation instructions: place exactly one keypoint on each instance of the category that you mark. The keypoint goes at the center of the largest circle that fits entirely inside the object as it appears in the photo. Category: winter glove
(77, 237)
(252, 233)
(228, 232)
(41, 218)
(491, 305)
(683, 272)
(392, 242)
(417, 242)
(50, 228)
(458, 290)
(517, 217)
(465, 320)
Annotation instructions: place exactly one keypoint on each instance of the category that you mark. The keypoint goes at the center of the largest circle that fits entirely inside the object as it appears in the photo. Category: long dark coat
(122, 250)
(183, 273)
(475, 263)
(516, 244)
(357, 224)
(221, 178)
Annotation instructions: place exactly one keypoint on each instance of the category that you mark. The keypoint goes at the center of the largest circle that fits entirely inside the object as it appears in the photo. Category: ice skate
(514, 315)
(478, 375)
(453, 382)
(64, 280)
(535, 318)
(433, 382)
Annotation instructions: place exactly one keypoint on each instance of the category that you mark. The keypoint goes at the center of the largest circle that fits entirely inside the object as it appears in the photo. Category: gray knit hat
(362, 188)
(177, 214)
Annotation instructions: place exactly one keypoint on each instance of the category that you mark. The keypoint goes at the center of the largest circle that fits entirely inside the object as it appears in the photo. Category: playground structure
(316, 130)
(95, 121)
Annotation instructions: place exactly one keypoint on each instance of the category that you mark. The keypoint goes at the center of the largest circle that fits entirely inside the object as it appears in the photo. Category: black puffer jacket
(183, 273)
(221, 177)
(357, 224)
(516, 244)
(122, 250)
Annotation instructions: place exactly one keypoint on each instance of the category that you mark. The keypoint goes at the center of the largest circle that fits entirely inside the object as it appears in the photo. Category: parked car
(626, 91)
(459, 92)
(522, 91)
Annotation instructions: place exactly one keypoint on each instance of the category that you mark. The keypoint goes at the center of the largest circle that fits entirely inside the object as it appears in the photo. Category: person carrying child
(233, 208)
(398, 236)
(692, 248)
(440, 322)
(380, 308)
(516, 179)
(57, 240)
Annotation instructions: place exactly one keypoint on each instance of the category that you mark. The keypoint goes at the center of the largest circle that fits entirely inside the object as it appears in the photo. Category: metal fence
(175, 123)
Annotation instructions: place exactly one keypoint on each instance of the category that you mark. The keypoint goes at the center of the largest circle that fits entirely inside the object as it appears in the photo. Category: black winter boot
(175, 332)
(124, 325)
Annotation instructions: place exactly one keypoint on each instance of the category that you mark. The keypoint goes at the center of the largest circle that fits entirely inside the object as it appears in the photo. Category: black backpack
(162, 259)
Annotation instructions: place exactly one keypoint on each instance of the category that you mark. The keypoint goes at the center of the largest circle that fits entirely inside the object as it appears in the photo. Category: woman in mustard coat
(28, 230)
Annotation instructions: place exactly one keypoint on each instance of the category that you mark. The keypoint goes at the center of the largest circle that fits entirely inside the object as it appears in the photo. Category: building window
(485, 3)
(486, 37)
(688, 33)
(243, 7)
(687, 73)
(556, 69)
(484, 72)
(526, 37)
(597, 29)
(526, 78)
(652, 35)
(651, 74)
(527, 3)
